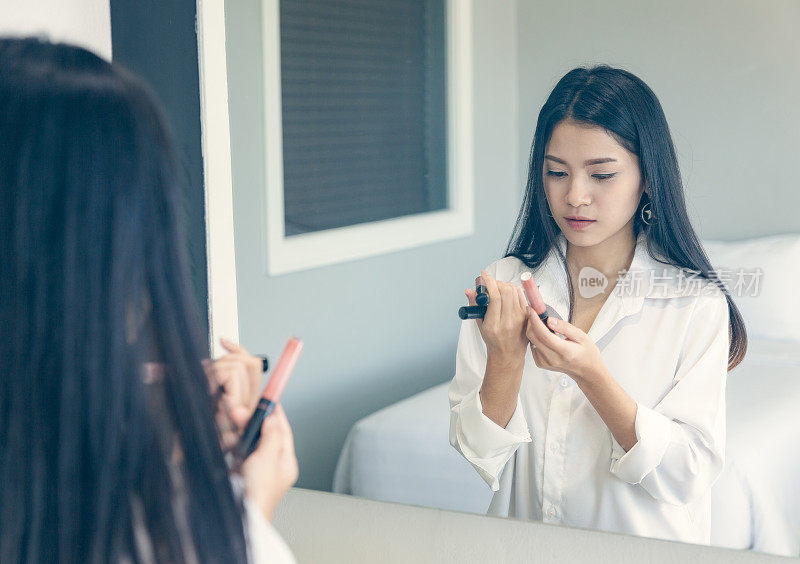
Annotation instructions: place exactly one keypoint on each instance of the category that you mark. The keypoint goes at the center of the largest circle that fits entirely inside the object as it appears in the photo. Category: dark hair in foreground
(94, 282)
(622, 104)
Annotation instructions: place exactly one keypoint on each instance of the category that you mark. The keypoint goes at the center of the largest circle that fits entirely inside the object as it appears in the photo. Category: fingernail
(552, 321)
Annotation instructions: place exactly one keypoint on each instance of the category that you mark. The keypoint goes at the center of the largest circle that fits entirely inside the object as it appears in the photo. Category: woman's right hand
(272, 468)
(503, 326)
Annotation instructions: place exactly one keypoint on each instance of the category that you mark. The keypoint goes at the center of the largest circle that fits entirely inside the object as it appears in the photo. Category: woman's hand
(576, 356)
(503, 326)
(235, 378)
(271, 469)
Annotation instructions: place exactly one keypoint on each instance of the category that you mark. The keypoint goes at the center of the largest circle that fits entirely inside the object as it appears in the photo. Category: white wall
(81, 22)
(727, 73)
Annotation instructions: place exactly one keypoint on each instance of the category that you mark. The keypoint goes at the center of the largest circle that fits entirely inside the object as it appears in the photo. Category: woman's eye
(604, 176)
(600, 177)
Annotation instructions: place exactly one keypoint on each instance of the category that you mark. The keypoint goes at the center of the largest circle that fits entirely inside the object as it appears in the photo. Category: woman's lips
(579, 224)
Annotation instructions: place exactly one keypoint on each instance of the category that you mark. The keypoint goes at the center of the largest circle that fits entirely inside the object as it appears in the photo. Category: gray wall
(380, 329)
(727, 73)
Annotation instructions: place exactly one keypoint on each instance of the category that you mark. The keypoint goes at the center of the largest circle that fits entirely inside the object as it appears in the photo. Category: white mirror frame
(223, 307)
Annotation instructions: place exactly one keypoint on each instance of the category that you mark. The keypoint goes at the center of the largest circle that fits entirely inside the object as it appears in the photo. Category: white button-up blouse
(663, 335)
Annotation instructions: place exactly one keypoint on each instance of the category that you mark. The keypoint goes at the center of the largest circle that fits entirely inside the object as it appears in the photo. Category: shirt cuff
(487, 445)
(653, 433)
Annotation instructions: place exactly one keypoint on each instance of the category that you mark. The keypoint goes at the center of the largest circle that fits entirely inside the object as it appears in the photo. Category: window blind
(363, 111)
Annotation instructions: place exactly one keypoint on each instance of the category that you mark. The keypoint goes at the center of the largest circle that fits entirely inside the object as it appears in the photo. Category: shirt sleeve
(680, 448)
(264, 542)
(484, 443)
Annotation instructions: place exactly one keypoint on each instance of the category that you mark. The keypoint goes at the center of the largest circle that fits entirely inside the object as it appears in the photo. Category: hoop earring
(647, 214)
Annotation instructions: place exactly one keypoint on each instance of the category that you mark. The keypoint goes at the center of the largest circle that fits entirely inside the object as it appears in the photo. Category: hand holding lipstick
(503, 326)
(575, 355)
(237, 375)
(272, 467)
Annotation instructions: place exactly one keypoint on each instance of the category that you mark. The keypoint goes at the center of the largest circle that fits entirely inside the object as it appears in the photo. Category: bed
(402, 454)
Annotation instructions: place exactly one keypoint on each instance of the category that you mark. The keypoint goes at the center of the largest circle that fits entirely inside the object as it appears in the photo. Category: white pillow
(771, 306)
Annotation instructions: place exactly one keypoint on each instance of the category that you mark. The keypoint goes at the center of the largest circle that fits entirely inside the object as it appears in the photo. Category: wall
(377, 330)
(83, 22)
(727, 73)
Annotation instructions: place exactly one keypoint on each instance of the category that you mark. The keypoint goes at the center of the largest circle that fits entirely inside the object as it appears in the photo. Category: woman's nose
(578, 194)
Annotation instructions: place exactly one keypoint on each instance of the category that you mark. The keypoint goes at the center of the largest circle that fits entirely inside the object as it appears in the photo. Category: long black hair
(622, 104)
(93, 278)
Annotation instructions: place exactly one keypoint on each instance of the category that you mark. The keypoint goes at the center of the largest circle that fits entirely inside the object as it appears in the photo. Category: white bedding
(402, 453)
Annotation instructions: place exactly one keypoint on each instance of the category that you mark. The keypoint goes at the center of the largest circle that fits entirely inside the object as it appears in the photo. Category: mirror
(438, 103)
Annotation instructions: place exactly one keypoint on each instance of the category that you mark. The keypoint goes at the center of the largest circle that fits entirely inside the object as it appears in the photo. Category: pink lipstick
(535, 298)
(269, 398)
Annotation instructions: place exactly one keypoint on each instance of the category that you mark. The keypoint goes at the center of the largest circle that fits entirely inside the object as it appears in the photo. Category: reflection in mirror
(658, 399)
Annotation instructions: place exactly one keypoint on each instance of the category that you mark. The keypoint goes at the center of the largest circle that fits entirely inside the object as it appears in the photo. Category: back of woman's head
(626, 108)
(94, 284)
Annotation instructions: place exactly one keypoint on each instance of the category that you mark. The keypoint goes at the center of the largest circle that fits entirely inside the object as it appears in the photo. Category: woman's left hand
(576, 356)
(235, 377)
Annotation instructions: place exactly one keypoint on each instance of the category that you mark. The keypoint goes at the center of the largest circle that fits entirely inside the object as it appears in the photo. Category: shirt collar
(645, 278)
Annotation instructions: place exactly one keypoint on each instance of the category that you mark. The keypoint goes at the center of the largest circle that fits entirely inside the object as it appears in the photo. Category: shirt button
(551, 512)
(564, 382)
(553, 447)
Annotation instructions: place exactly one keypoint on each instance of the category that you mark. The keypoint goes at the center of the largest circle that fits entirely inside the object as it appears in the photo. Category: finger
(507, 302)
(538, 334)
(567, 329)
(529, 332)
(471, 297)
(493, 310)
(273, 433)
(229, 361)
(523, 301)
(240, 416)
(230, 346)
(254, 373)
(508, 299)
(535, 353)
(267, 444)
(225, 375)
(246, 368)
(235, 392)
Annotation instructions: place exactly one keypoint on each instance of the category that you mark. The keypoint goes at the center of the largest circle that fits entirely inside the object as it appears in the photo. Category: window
(368, 128)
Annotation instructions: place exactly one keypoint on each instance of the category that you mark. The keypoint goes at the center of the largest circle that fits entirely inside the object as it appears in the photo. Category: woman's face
(575, 185)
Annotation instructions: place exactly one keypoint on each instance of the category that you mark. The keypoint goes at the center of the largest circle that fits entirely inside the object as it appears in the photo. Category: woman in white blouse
(616, 421)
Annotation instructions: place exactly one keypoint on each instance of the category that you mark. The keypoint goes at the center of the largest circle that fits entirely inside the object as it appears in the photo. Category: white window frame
(331, 246)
